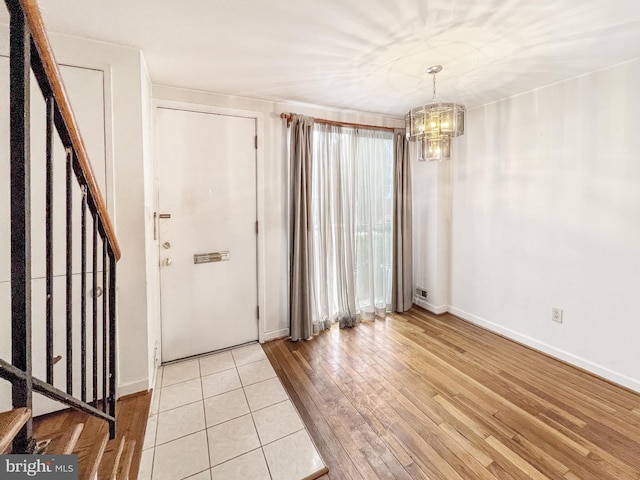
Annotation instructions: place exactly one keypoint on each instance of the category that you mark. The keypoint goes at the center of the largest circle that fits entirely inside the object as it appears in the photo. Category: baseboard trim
(437, 309)
(125, 389)
(582, 363)
(276, 334)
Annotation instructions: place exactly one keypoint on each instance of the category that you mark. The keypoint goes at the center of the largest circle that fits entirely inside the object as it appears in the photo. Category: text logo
(51, 467)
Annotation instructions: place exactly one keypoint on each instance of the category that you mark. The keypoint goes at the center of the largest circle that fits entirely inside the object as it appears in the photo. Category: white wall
(151, 208)
(123, 102)
(273, 197)
(546, 212)
(431, 217)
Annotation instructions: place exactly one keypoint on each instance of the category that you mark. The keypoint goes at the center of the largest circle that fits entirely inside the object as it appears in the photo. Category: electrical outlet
(422, 293)
(556, 314)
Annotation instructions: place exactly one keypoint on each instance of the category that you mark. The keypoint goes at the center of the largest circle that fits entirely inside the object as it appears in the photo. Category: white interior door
(85, 87)
(207, 184)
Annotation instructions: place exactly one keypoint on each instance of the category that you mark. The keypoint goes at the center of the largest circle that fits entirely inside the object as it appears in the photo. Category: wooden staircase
(10, 424)
(30, 55)
(98, 457)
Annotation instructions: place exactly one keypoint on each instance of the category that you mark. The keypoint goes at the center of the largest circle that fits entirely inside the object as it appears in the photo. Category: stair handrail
(31, 51)
(57, 89)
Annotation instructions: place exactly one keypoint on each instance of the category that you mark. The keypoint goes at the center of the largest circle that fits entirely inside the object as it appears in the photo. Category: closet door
(85, 88)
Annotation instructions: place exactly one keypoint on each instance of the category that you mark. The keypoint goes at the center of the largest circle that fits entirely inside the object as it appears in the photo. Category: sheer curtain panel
(333, 205)
(352, 204)
(374, 221)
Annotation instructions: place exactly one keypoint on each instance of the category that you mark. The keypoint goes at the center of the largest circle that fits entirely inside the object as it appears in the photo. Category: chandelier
(435, 124)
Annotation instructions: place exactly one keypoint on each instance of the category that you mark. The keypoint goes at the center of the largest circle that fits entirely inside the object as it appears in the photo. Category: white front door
(208, 255)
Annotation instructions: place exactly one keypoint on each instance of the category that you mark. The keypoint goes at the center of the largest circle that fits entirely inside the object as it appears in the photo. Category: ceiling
(367, 55)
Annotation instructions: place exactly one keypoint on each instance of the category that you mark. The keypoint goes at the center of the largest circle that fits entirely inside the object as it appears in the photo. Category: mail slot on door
(210, 257)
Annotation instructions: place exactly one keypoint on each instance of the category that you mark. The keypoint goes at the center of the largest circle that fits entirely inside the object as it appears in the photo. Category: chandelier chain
(434, 88)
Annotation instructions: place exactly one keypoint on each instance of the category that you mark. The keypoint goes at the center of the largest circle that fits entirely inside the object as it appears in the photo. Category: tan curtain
(402, 280)
(300, 296)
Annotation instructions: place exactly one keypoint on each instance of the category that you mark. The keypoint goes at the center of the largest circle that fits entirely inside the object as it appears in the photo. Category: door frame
(260, 190)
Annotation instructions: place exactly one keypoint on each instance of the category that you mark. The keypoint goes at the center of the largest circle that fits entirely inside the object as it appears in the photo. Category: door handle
(167, 262)
(165, 215)
(96, 293)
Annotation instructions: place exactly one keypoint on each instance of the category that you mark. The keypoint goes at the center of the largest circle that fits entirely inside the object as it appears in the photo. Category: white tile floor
(225, 416)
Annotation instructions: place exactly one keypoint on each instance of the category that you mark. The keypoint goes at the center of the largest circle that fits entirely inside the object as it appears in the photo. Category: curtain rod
(288, 118)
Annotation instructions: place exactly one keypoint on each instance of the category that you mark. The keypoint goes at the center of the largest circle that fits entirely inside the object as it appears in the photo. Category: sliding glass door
(351, 220)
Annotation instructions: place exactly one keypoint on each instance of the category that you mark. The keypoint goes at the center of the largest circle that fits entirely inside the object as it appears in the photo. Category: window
(352, 223)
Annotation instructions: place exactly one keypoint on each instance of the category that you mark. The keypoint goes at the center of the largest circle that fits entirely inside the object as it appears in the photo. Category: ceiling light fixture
(435, 124)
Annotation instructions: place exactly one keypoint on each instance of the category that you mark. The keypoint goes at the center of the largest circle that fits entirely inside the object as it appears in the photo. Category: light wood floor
(131, 420)
(419, 396)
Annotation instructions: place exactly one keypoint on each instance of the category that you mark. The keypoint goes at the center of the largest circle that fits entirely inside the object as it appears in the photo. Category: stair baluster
(30, 52)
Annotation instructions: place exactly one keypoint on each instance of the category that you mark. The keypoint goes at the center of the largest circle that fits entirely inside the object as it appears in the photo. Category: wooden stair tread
(111, 459)
(63, 442)
(127, 459)
(132, 415)
(10, 424)
(90, 451)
